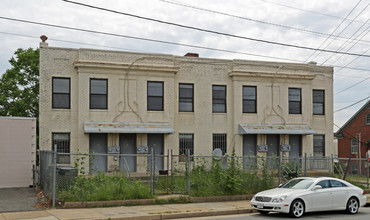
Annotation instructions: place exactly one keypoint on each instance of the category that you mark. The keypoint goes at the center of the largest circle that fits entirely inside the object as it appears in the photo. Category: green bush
(221, 180)
(103, 188)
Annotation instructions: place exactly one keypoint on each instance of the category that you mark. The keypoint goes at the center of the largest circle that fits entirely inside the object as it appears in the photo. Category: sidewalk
(143, 212)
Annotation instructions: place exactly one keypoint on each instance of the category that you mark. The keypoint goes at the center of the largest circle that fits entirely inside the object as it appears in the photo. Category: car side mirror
(317, 187)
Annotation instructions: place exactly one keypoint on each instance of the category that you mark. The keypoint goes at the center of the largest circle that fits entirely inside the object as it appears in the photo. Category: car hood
(279, 192)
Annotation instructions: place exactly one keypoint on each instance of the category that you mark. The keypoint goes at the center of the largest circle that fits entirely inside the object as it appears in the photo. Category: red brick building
(354, 138)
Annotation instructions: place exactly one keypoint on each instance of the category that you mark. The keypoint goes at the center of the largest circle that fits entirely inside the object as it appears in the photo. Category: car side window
(324, 184)
(335, 183)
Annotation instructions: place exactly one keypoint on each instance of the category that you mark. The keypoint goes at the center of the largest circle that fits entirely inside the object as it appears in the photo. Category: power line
(334, 31)
(352, 86)
(167, 42)
(344, 44)
(316, 33)
(313, 12)
(213, 32)
(351, 105)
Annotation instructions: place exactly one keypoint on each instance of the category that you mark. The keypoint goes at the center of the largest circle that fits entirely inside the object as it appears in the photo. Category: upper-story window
(61, 93)
(318, 104)
(155, 96)
(218, 99)
(249, 99)
(186, 97)
(295, 100)
(368, 119)
(98, 93)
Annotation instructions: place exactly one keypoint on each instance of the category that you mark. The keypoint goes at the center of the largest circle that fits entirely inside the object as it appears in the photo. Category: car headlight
(254, 197)
(280, 199)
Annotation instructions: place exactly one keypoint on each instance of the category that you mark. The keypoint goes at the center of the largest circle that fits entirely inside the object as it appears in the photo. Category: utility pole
(359, 149)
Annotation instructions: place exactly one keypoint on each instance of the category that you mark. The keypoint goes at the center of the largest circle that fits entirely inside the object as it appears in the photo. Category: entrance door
(98, 145)
(156, 144)
(249, 151)
(127, 143)
(295, 142)
(273, 142)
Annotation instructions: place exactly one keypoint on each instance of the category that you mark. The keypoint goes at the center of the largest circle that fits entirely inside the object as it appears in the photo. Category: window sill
(98, 110)
(60, 109)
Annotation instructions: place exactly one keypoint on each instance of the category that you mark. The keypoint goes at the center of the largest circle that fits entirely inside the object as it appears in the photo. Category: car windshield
(298, 184)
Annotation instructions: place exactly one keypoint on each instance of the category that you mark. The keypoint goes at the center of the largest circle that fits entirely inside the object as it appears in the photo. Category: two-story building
(93, 99)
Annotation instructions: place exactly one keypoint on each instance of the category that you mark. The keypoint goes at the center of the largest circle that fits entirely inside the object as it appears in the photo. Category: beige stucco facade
(128, 73)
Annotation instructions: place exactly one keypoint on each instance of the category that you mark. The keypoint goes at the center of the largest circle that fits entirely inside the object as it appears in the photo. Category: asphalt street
(363, 214)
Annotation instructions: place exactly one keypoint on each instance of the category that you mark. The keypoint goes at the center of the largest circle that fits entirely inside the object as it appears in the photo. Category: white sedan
(310, 194)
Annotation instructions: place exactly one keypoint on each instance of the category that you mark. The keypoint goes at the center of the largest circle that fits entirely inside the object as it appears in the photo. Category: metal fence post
(152, 172)
(188, 171)
(332, 164)
(305, 164)
(54, 172)
(367, 173)
(171, 171)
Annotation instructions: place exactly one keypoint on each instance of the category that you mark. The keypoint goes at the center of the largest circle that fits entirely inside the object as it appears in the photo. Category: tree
(19, 85)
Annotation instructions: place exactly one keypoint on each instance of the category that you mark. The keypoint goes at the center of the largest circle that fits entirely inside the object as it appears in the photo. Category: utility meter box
(142, 149)
(262, 148)
(113, 150)
(285, 147)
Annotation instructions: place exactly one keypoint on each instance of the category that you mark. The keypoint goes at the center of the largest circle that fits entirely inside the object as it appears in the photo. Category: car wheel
(352, 206)
(296, 208)
(263, 212)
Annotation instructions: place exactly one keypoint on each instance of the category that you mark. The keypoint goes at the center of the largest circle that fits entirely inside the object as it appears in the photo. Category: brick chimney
(191, 55)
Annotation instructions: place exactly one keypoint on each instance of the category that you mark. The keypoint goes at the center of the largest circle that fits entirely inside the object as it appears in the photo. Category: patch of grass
(104, 188)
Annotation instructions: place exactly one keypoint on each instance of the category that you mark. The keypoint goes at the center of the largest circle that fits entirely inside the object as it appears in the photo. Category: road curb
(189, 214)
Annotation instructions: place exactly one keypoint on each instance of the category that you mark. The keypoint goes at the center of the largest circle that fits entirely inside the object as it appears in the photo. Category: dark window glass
(249, 99)
(318, 145)
(295, 101)
(318, 102)
(62, 142)
(98, 93)
(186, 141)
(219, 99)
(61, 93)
(220, 141)
(324, 184)
(336, 183)
(368, 119)
(186, 98)
(155, 96)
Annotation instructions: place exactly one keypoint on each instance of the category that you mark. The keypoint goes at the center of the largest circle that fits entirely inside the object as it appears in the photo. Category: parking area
(17, 199)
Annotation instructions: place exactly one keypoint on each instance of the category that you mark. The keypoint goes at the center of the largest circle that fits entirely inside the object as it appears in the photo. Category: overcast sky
(335, 25)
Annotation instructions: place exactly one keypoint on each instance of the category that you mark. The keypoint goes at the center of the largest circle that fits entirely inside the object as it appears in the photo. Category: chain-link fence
(75, 176)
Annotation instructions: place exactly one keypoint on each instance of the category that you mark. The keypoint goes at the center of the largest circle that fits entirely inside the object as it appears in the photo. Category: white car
(310, 194)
